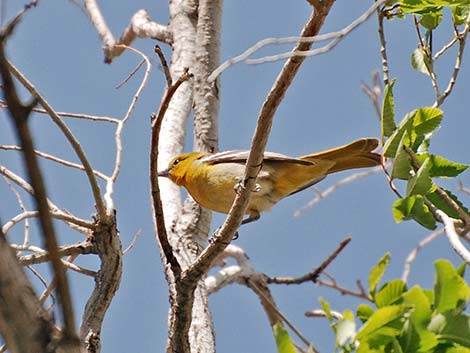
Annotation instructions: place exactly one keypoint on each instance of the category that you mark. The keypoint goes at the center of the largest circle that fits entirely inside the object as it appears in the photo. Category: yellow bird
(211, 179)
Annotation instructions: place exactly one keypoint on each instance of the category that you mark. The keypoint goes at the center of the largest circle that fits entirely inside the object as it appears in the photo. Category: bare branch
(54, 159)
(343, 290)
(133, 72)
(345, 181)
(118, 134)
(453, 237)
(374, 92)
(23, 208)
(335, 36)
(313, 275)
(108, 246)
(140, 26)
(83, 248)
(67, 133)
(414, 253)
(106, 119)
(57, 215)
(383, 47)
(19, 114)
(320, 313)
(166, 69)
(134, 240)
(462, 38)
(24, 324)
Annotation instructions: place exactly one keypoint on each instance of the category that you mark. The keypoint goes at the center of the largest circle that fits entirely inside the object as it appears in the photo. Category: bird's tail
(357, 154)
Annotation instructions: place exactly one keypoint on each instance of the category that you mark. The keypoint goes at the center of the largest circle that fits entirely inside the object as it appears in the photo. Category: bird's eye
(175, 162)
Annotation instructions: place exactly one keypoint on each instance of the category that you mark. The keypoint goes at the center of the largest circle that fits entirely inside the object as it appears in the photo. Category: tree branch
(19, 114)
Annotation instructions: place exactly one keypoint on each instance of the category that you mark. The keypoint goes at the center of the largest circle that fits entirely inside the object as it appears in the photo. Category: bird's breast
(214, 187)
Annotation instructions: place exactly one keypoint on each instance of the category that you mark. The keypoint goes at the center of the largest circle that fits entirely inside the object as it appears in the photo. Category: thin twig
(282, 316)
(414, 253)
(383, 47)
(23, 208)
(132, 73)
(374, 92)
(54, 159)
(462, 188)
(335, 36)
(134, 240)
(462, 37)
(35, 214)
(108, 196)
(166, 69)
(345, 181)
(313, 275)
(106, 119)
(344, 291)
(321, 313)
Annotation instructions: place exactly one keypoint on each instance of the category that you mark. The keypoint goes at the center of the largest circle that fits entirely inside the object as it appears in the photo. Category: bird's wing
(237, 156)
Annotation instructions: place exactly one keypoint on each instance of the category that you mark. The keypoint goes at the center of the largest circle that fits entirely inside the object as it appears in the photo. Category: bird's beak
(164, 173)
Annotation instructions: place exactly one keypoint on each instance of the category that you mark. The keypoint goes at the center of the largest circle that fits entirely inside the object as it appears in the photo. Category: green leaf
(326, 308)
(419, 337)
(377, 272)
(457, 330)
(345, 329)
(401, 168)
(460, 14)
(413, 207)
(391, 145)
(420, 61)
(431, 20)
(384, 321)
(388, 111)
(426, 120)
(461, 269)
(390, 293)
(421, 182)
(417, 298)
(364, 312)
(417, 124)
(441, 167)
(451, 291)
(437, 201)
(283, 341)
(457, 349)
(429, 6)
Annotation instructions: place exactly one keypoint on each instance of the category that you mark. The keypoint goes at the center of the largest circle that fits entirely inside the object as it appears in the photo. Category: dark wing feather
(237, 156)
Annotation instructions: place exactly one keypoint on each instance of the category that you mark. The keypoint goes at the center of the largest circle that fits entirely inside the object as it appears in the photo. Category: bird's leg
(239, 186)
(216, 234)
(253, 216)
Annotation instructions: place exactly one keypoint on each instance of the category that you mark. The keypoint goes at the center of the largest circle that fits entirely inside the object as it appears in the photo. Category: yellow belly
(216, 190)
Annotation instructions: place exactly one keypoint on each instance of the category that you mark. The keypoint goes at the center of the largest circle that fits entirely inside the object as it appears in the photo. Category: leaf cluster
(409, 319)
(408, 144)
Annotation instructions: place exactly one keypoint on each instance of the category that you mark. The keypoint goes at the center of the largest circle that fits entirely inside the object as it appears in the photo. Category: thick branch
(108, 246)
(82, 248)
(24, 324)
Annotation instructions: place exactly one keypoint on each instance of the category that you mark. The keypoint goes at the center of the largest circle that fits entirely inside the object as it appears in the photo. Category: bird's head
(180, 166)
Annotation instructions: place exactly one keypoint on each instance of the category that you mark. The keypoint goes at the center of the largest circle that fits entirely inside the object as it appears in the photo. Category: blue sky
(59, 51)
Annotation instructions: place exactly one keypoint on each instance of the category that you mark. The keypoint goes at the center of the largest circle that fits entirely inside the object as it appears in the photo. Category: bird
(212, 178)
